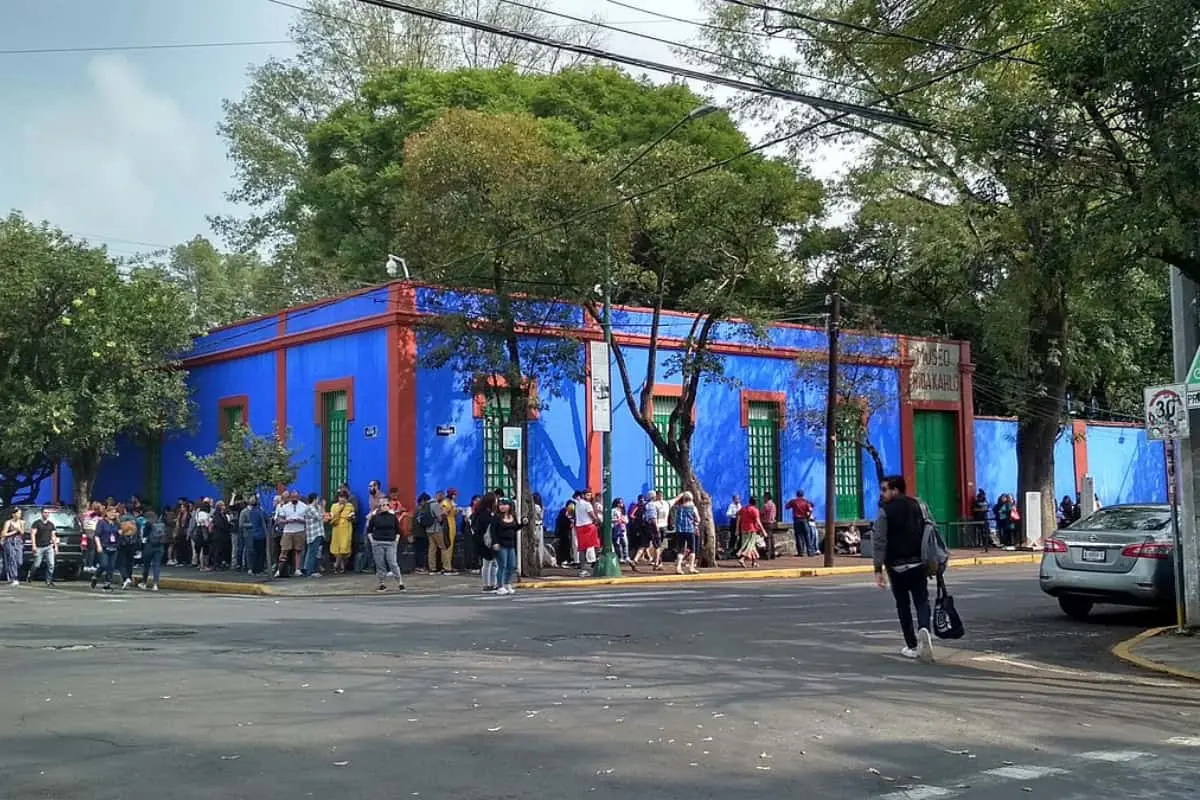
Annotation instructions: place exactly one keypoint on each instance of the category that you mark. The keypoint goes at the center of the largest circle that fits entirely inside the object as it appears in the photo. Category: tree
(1007, 175)
(477, 187)
(245, 464)
(340, 45)
(706, 246)
(90, 356)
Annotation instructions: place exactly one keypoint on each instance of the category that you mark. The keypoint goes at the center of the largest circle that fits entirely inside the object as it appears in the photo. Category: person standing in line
(87, 523)
(154, 542)
(290, 515)
(481, 523)
(801, 512)
(45, 546)
(731, 513)
(898, 539)
(505, 527)
(439, 549)
(562, 535)
(314, 536)
(450, 506)
(108, 536)
(587, 535)
(341, 518)
(384, 532)
(127, 547)
(12, 538)
(770, 512)
(686, 517)
(662, 522)
(750, 529)
(620, 533)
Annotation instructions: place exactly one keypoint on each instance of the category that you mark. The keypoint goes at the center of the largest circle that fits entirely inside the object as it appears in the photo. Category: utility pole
(1185, 340)
(834, 301)
(608, 565)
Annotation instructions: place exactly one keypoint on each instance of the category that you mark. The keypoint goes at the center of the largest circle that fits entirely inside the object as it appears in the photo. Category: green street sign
(1193, 376)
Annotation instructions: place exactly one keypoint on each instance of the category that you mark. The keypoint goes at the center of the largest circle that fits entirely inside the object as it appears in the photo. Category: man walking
(45, 547)
(898, 537)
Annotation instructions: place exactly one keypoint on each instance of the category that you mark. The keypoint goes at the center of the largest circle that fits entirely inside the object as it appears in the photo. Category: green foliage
(245, 464)
(87, 356)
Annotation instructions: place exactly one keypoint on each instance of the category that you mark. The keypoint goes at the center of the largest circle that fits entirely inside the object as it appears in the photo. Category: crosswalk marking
(919, 793)
(1018, 773)
(1114, 756)
(1185, 741)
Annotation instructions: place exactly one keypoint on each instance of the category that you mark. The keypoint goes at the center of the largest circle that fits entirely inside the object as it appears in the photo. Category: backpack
(934, 553)
(426, 519)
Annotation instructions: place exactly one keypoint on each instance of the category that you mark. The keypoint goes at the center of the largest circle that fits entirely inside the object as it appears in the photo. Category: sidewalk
(187, 579)
(1163, 650)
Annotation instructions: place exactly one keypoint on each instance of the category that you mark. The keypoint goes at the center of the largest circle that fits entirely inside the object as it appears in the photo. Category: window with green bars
(234, 416)
(496, 411)
(847, 474)
(666, 479)
(336, 442)
(762, 432)
(152, 492)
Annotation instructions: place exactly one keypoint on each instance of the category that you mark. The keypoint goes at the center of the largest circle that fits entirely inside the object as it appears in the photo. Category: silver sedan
(1121, 554)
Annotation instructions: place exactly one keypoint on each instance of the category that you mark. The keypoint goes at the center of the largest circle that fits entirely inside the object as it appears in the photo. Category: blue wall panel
(347, 309)
(1126, 467)
(123, 474)
(996, 456)
(246, 333)
(1064, 464)
(363, 357)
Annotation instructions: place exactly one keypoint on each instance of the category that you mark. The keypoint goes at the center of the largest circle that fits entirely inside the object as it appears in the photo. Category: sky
(116, 142)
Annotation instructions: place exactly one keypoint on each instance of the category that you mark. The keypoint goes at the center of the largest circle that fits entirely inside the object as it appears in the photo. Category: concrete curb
(215, 587)
(761, 574)
(1124, 651)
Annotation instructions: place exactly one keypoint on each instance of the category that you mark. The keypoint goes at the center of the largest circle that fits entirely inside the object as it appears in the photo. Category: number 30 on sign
(1166, 412)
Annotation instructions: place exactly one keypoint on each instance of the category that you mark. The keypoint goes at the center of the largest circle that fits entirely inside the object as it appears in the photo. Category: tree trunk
(873, 452)
(84, 467)
(1035, 467)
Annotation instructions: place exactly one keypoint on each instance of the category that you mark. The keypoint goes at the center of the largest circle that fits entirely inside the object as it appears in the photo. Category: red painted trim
(328, 387)
(224, 404)
(281, 376)
(995, 418)
(966, 429)
(594, 438)
(1079, 445)
(936, 405)
(479, 400)
(908, 453)
(402, 400)
(671, 390)
(778, 398)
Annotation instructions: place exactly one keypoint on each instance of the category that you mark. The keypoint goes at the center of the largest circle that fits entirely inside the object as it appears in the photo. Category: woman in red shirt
(751, 530)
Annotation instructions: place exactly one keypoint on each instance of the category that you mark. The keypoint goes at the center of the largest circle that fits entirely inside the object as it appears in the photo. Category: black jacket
(899, 533)
(384, 527)
(480, 522)
(505, 533)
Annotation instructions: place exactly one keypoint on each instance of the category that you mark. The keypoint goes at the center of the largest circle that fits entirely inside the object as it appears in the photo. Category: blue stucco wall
(346, 309)
(1126, 467)
(363, 357)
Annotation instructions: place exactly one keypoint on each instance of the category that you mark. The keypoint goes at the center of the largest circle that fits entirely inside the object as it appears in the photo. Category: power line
(854, 26)
(850, 109)
(125, 48)
(720, 28)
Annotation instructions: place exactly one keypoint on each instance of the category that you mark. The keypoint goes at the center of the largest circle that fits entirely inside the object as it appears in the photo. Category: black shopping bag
(946, 622)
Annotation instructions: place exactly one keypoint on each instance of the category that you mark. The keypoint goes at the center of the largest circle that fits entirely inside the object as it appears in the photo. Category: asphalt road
(723, 691)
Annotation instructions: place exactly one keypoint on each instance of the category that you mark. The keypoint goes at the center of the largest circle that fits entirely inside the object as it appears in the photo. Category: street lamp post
(608, 565)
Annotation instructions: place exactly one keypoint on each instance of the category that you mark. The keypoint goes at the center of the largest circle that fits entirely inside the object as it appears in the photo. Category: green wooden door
(496, 412)
(762, 434)
(666, 479)
(935, 446)
(847, 476)
(337, 443)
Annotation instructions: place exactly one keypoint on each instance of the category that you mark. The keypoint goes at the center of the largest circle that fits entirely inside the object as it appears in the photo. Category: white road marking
(1185, 741)
(919, 793)
(1114, 756)
(710, 610)
(1024, 773)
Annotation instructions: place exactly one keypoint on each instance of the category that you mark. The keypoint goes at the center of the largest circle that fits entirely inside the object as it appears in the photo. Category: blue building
(351, 379)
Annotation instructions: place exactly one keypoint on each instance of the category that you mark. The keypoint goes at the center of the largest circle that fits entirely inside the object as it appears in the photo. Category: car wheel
(1076, 608)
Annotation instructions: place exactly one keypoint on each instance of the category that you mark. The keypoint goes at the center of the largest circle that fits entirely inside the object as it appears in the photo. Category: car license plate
(1095, 555)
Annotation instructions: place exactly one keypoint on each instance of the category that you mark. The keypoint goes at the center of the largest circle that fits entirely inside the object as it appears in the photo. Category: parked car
(1122, 554)
(69, 561)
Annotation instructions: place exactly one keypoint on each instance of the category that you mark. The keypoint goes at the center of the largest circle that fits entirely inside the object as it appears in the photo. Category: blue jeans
(814, 545)
(41, 554)
(106, 564)
(312, 555)
(152, 563)
(506, 565)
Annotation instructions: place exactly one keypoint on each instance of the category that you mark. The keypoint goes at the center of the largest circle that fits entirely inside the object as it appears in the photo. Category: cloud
(96, 162)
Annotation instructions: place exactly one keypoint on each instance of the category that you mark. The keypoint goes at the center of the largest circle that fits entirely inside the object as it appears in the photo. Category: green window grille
(763, 445)
(496, 411)
(847, 475)
(152, 494)
(666, 479)
(234, 416)
(336, 442)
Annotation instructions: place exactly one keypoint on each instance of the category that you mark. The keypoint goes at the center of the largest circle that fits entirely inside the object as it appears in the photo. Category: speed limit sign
(1166, 412)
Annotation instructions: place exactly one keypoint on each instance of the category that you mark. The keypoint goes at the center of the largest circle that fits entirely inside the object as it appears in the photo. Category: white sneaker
(583, 573)
(908, 652)
(509, 590)
(15, 583)
(126, 584)
(925, 646)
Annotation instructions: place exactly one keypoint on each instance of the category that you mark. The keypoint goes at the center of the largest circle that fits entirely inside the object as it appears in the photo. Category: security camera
(396, 264)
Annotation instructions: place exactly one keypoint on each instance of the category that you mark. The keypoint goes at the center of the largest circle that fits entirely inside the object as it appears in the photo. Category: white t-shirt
(662, 514)
(585, 513)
